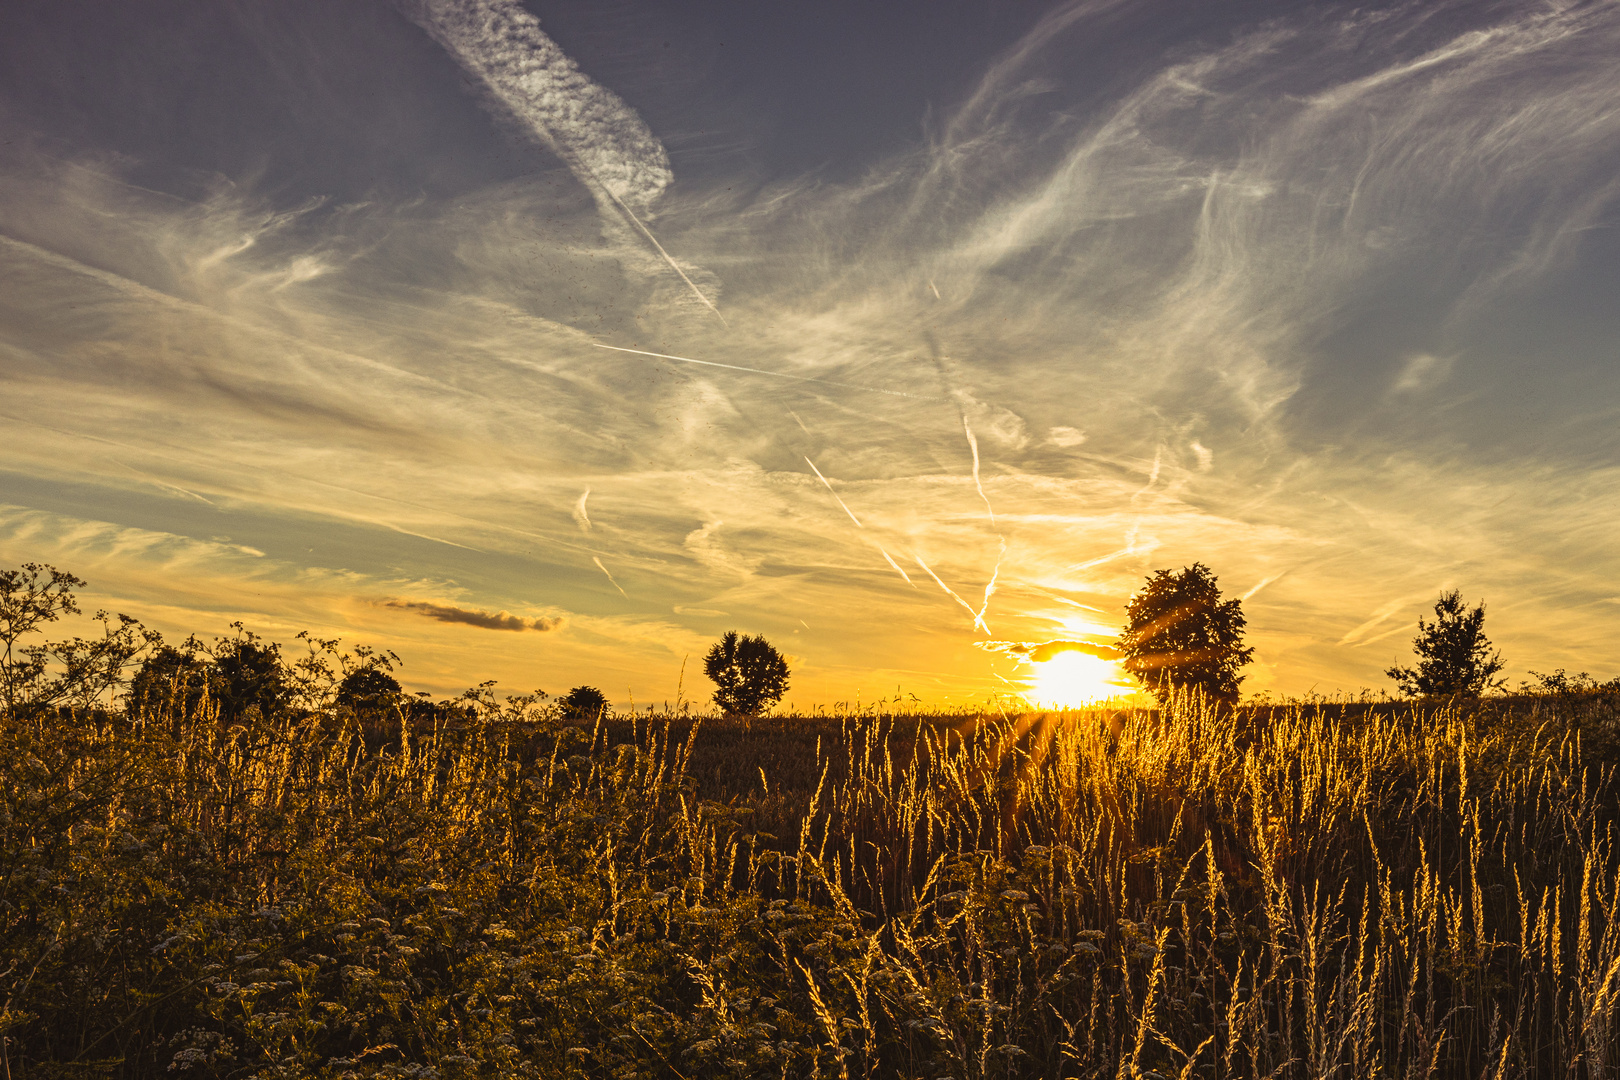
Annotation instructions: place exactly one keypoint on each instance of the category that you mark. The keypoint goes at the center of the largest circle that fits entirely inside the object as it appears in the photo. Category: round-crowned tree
(368, 688)
(248, 673)
(1182, 636)
(583, 703)
(749, 674)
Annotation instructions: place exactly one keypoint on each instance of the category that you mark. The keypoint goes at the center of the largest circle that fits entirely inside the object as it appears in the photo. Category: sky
(545, 342)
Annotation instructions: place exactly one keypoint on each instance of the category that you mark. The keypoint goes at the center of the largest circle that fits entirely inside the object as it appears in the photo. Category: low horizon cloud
(449, 613)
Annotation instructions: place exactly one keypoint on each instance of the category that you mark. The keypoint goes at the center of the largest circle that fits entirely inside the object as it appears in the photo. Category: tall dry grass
(1398, 891)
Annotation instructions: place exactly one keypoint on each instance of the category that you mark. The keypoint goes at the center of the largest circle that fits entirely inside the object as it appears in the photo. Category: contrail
(978, 616)
(990, 586)
(757, 371)
(973, 444)
(604, 570)
(897, 569)
(600, 138)
(847, 510)
(1261, 584)
(1001, 551)
(887, 557)
(690, 284)
(580, 516)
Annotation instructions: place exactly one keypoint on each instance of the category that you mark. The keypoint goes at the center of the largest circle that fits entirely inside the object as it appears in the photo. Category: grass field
(1295, 892)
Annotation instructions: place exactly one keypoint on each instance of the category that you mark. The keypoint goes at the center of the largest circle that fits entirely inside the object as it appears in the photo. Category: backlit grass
(1304, 893)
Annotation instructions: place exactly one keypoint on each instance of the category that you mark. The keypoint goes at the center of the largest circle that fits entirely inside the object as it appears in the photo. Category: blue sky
(880, 329)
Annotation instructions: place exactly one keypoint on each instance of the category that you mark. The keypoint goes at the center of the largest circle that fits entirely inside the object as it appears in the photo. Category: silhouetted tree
(171, 678)
(1454, 655)
(749, 673)
(366, 688)
(79, 672)
(249, 673)
(584, 703)
(1182, 636)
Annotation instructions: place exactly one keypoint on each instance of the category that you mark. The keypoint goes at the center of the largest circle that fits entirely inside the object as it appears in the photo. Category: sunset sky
(546, 342)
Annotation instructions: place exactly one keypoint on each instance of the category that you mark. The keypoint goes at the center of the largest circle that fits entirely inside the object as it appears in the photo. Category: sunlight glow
(1074, 679)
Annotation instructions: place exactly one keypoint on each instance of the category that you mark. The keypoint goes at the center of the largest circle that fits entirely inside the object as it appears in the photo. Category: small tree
(584, 703)
(366, 688)
(249, 672)
(749, 673)
(1454, 655)
(1182, 636)
(79, 672)
(172, 679)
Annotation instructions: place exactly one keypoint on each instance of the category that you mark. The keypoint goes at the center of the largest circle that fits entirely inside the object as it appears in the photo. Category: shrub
(584, 703)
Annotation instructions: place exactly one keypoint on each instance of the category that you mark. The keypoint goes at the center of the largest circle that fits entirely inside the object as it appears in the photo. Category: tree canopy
(584, 703)
(1180, 635)
(749, 674)
(1454, 655)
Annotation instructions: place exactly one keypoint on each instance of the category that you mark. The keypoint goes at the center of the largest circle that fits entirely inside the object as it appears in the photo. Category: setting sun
(1073, 679)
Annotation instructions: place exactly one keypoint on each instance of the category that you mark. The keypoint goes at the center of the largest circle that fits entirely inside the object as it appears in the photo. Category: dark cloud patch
(449, 613)
(1041, 651)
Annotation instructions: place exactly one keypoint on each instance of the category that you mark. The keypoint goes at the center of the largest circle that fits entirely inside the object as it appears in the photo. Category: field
(1304, 891)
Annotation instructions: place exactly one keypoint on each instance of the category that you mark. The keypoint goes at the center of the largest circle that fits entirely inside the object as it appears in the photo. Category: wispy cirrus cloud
(1299, 298)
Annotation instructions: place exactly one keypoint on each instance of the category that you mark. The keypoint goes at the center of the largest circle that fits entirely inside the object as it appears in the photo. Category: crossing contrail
(601, 139)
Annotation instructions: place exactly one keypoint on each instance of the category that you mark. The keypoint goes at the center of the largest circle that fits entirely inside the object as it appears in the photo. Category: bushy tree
(1181, 635)
(750, 675)
(79, 672)
(1454, 655)
(366, 688)
(172, 678)
(584, 703)
(249, 673)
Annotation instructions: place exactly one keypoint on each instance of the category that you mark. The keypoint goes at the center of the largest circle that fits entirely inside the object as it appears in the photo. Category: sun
(1071, 680)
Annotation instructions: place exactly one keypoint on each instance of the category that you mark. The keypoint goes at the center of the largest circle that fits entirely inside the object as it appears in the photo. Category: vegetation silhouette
(1181, 637)
(76, 671)
(482, 887)
(1454, 655)
(584, 703)
(750, 676)
(368, 687)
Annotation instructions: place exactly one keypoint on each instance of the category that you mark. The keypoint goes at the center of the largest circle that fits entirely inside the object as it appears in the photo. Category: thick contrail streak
(604, 570)
(978, 616)
(841, 502)
(897, 569)
(756, 371)
(582, 518)
(1001, 552)
(990, 586)
(600, 138)
(887, 557)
